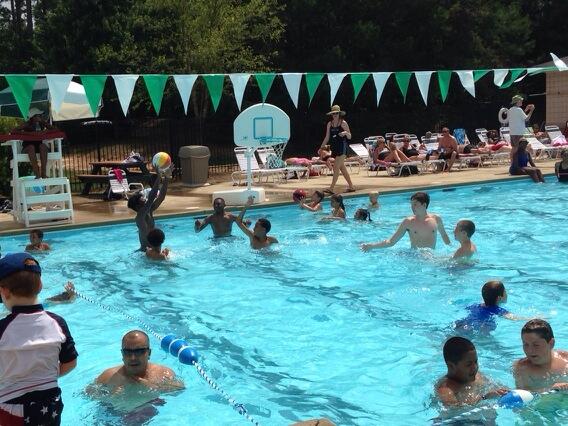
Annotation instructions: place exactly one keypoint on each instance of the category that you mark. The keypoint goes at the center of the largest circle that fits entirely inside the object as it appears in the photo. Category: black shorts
(447, 155)
(41, 407)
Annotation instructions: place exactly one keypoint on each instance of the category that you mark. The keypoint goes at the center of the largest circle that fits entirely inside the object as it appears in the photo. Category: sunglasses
(135, 352)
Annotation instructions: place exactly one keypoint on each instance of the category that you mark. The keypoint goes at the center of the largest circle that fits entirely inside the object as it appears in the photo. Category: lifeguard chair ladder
(40, 202)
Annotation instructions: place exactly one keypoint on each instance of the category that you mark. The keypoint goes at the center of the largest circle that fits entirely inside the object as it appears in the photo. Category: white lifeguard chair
(40, 202)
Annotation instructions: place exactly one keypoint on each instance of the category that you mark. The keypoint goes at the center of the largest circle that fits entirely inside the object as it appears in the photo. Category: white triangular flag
(499, 76)
(292, 82)
(423, 80)
(240, 82)
(560, 64)
(530, 71)
(184, 84)
(467, 81)
(380, 79)
(58, 84)
(125, 88)
(335, 80)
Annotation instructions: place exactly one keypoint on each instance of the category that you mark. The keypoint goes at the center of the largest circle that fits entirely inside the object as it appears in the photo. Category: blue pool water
(316, 327)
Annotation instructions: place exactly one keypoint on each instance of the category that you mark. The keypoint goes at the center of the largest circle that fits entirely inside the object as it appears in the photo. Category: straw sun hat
(336, 109)
(516, 99)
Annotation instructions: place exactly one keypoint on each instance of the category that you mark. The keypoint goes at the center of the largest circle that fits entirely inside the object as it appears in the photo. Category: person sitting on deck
(523, 164)
(561, 167)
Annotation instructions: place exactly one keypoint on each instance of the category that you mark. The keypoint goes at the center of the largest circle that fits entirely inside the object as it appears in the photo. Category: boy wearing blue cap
(36, 347)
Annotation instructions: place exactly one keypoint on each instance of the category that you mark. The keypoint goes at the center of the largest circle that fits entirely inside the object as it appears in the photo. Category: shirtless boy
(36, 241)
(463, 232)
(464, 384)
(543, 368)
(422, 227)
(448, 148)
(221, 221)
(154, 250)
(258, 236)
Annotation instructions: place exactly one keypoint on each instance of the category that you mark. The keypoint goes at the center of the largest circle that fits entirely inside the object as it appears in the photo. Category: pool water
(315, 327)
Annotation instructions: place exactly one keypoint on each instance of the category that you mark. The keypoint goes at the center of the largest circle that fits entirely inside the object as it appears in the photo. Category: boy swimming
(221, 221)
(462, 233)
(422, 227)
(154, 250)
(36, 241)
(463, 384)
(374, 200)
(544, 367)
(258, 237)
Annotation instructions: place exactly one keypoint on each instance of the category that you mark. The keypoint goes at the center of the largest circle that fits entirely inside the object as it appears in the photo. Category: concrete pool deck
(181, 200)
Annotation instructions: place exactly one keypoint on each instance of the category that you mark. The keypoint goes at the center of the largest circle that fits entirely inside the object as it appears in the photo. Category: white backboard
(261, 125)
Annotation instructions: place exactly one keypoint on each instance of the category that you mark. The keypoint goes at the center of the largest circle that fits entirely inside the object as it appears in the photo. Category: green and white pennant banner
(239, 82)
(184, 84)
(334, 80)
(499, 76)
(467, 81)
(125, 88)
(423, 80)
(22, 86)
(292, 82)
(380, 79)
(58, 85)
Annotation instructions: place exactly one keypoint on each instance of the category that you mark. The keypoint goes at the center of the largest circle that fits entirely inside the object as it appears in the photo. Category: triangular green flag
(403, 79)
(22, 86)
(444, 78)
(156, 83)
(477, 74)
(94, 86)
(264, 81)
(515, 72)
(214, 84)
(357, 80)
(313, 80)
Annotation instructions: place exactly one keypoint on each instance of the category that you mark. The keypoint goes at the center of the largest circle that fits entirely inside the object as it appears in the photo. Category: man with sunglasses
(136, 368)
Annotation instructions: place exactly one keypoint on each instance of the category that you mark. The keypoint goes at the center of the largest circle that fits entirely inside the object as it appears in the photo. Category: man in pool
(422, 227)
(543, 368)
(221, 221)
(464, 384)
(136, 368)
(144, 206)
(258, 236)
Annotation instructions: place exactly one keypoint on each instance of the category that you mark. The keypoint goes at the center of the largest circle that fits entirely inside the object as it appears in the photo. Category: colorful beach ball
(162, 160)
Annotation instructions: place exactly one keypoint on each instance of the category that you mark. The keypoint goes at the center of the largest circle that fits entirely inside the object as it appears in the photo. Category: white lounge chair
(256, 171)
(264, 154)
(481, 134)
(363, 153)
(119, 184)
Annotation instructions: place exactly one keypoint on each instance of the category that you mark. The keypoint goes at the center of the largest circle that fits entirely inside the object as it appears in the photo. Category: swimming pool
(315, 327)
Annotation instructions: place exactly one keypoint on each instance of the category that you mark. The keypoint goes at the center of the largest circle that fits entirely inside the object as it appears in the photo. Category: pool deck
(182, 200)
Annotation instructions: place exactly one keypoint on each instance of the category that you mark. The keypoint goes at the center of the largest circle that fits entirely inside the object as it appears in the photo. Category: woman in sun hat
(338, 135)
(35, 123)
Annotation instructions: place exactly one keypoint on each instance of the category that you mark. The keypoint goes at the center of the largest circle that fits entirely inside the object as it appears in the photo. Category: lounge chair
(256, 171)
(264, 155)
(119, 184)
(363, 153)
(481, 134)
(542, 151)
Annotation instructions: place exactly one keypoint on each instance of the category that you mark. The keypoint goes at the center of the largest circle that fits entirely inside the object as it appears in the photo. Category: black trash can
(194, 161)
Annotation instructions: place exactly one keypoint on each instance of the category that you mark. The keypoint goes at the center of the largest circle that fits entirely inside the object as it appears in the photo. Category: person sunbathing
(484, 148)
(391, 154)
(326, 157)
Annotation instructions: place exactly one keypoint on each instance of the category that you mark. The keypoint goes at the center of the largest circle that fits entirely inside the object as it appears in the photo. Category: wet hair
(133, 333)
(540, 327)
(265, 223)
(490, 291)
(362, 214)
(339, 199)
(468, 226)
(218, 199)
(156, 237)
(37, 232)
(320, 194)
(134, 200)
(421, 197)
(455, 348)
(22, 283)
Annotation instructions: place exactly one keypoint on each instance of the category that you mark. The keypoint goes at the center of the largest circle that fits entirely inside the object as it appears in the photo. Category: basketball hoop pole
(249, 154)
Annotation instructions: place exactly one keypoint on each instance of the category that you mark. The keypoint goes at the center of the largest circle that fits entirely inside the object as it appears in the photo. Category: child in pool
(463, 384)
(36, 241)
(155, 240)
(462, 233)
(362, 214)
(315, 203)
(337, 208)
(374, 200)
(258, 237)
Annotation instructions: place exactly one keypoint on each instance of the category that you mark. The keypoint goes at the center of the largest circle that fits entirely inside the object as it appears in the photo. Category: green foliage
(6, 124)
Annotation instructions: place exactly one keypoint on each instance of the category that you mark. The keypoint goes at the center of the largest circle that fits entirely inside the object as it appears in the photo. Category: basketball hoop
(278, 144)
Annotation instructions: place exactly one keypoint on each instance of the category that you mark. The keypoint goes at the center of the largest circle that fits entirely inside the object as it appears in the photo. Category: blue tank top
(481, 318)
